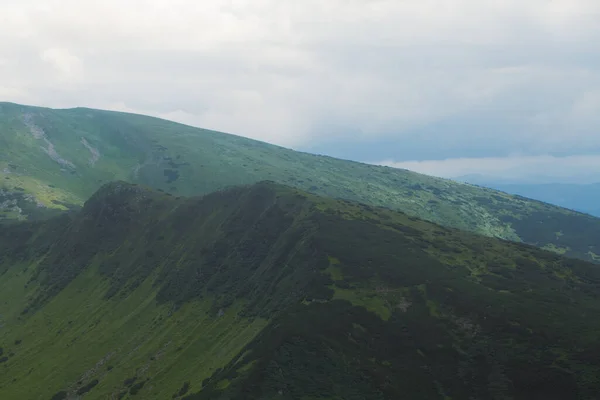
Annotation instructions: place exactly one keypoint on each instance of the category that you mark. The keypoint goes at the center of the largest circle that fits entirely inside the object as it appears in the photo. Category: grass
(78, 334)
(367, 299)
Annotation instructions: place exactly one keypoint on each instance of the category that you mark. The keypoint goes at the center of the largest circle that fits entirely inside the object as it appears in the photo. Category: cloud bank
(362, 79)
(517, 169)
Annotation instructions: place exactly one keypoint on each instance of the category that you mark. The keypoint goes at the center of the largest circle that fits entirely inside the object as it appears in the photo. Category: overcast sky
(448, 87)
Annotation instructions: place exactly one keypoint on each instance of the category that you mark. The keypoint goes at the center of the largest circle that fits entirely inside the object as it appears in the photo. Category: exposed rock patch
(95, 153)
(38, 133)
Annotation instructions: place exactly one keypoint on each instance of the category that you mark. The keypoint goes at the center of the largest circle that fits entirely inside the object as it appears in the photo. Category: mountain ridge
(265, 291)
(55, 159)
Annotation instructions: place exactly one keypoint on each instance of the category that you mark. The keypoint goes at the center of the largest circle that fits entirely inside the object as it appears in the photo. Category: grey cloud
(359, 79)
(524, 169)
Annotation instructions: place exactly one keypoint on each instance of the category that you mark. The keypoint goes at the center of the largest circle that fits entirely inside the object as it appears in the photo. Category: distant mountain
(590, 177)
(579, 197)
(583, 198)
(268, 292)
(54, 159)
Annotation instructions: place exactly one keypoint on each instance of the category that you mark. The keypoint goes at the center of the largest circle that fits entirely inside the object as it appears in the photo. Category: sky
(508, 89)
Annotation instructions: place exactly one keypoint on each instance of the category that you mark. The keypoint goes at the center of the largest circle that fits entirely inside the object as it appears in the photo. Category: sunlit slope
(57, 158)
(79, 340)
(267, 292)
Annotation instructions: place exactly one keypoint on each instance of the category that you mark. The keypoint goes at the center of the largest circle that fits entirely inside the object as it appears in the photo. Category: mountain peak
(119, 198)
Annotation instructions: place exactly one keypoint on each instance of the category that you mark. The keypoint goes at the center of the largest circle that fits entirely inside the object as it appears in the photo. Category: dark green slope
(267, 292)
(55, 159)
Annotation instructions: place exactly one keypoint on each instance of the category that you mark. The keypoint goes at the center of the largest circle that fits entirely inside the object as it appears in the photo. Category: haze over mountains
(581, 197)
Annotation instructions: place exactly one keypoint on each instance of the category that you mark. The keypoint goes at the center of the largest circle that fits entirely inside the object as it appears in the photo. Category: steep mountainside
(267, 292)
(58, 158)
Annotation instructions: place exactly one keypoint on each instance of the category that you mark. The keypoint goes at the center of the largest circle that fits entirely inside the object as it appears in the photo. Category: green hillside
(55, 159)
(268, 292)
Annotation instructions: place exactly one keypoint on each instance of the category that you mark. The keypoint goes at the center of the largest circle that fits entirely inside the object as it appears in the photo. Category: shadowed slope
(266, 292)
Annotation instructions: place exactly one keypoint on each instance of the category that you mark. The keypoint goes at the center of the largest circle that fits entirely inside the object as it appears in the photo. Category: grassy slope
(93, 147)
(79, 337)
(293, 296)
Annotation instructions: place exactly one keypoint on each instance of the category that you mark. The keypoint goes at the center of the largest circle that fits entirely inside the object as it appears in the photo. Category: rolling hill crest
(52, 160)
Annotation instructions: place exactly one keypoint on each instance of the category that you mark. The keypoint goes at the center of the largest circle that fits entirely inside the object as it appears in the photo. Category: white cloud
(68, 66)
(11, 92)
(282, 70)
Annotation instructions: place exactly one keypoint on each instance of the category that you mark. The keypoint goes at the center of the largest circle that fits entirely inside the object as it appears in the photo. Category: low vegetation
(269, 292)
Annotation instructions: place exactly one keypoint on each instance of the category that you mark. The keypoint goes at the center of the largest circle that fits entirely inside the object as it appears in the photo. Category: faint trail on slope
(39, 134)
(95, 153)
